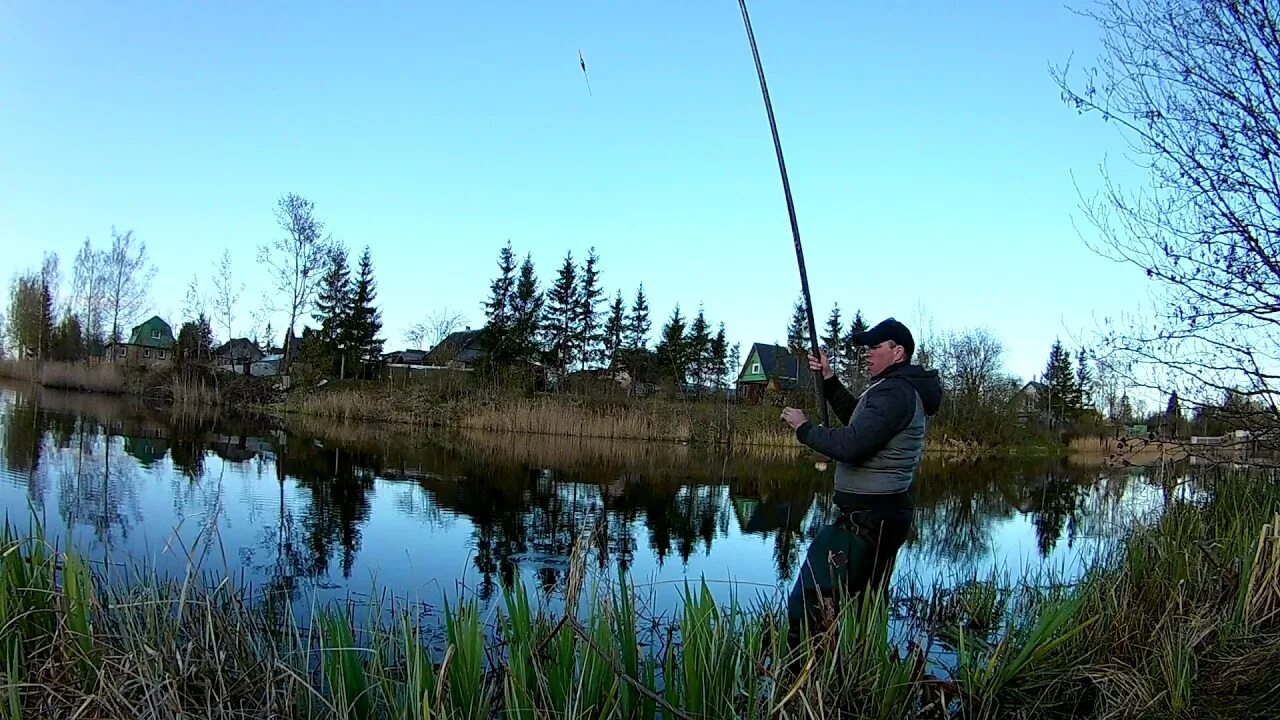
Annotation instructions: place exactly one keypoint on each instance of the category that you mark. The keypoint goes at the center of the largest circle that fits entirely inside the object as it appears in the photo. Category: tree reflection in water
(311, 493)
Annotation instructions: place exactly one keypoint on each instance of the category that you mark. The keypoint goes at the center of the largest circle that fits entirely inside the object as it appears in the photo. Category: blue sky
(930, 154)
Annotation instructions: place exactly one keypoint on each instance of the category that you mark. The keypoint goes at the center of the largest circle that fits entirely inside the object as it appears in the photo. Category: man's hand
(793, 417)
(821, 363)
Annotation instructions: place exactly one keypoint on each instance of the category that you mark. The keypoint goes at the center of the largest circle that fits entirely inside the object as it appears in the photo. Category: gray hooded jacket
(879, 448)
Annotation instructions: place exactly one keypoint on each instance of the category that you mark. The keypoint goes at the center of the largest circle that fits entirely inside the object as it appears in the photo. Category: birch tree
(226, 292)
(296, 260)
(127, 278)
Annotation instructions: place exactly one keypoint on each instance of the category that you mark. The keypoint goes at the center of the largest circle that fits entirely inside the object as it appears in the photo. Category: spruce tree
(614, 329)
(68, 340)
(366, 319)
(638, 324)
(671, 352)
(1084, 381)
(798, 329)
(834, 341)
(719, 357)
(590, 338)
(526, 313)
(186, 346)
(498, 308)
(46, 319)
(1124, 413)
(562, 312)
(1174, 422)
(855, 369)
(333, 301)
(1064, 396)
(195, 340)
(698, 349)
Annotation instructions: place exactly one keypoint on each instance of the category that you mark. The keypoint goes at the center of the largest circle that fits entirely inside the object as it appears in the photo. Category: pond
(322, 512)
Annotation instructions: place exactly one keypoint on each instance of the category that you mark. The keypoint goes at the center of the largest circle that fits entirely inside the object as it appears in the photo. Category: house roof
(462, 346)
(779, 364)
(406, 356)
(142, 333)
(1035, 387)
(775, 361)
(238, 349)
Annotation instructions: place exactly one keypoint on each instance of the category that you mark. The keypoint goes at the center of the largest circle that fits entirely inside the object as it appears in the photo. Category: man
(877, 454)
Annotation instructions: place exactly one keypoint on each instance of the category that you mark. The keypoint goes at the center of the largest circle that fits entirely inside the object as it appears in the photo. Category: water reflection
(340, 510)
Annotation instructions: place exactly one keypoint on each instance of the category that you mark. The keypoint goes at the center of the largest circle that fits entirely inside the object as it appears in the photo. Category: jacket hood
(925, 382)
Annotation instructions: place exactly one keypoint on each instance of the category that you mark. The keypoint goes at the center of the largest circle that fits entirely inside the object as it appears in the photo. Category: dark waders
(856, 552)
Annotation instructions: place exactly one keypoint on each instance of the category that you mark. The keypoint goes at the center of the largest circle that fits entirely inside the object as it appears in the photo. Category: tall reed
(95, 376)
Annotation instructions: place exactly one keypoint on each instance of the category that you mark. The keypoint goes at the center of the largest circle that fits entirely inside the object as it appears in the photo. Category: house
(150, 344)
(1031, 402)
(404, 364)
(771, 368)
(461, 349)
(237, 355)
(266, 366)
(406, 358)
(636, 369)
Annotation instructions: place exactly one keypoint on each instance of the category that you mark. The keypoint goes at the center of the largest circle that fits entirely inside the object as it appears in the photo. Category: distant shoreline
(602, 413)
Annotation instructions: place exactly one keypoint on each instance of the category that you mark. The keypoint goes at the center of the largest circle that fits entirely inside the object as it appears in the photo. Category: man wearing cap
(877, 454)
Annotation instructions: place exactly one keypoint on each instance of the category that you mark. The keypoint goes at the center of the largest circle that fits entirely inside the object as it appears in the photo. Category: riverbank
(577, 415)
(1181, 620)
(603, 415)
(191, 387)
(461, 401)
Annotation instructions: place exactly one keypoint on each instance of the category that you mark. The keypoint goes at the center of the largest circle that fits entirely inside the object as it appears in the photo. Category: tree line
(109, 287)
(566, 327)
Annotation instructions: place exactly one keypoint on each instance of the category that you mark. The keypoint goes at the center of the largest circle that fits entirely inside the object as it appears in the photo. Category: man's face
(880, 357)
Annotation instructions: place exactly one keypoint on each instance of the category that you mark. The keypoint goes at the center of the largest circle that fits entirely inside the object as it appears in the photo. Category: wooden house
(772, 368)
(237, 355)
(150, 345)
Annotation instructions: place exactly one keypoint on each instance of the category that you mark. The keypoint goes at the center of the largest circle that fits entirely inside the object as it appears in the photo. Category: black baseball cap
(887, 329)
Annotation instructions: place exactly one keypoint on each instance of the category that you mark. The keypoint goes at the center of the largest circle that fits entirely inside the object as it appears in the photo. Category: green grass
(1179, 621)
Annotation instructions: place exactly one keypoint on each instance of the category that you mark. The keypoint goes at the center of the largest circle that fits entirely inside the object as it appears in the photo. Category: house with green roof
(150, 344)
(770, 368)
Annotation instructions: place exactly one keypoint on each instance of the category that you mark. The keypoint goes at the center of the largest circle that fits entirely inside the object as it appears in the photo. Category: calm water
(331, 512)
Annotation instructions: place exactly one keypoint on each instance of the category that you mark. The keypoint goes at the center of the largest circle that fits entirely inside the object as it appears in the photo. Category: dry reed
(654, 419)
(98, 377)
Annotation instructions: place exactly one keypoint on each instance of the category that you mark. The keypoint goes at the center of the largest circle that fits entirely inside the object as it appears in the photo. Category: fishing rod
(791, 209)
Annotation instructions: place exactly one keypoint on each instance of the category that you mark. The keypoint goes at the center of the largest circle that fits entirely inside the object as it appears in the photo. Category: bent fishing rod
(791, 212)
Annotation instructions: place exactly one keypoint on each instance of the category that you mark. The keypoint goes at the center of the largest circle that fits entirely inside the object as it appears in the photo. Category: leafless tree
(1194, 88)
(51, 279)
(193, 304)
(430, 332)
(226, 292)
(972, 362)
(260, 317)
(88, 292)
(978, 388)
(296, 259)
(126, 280)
